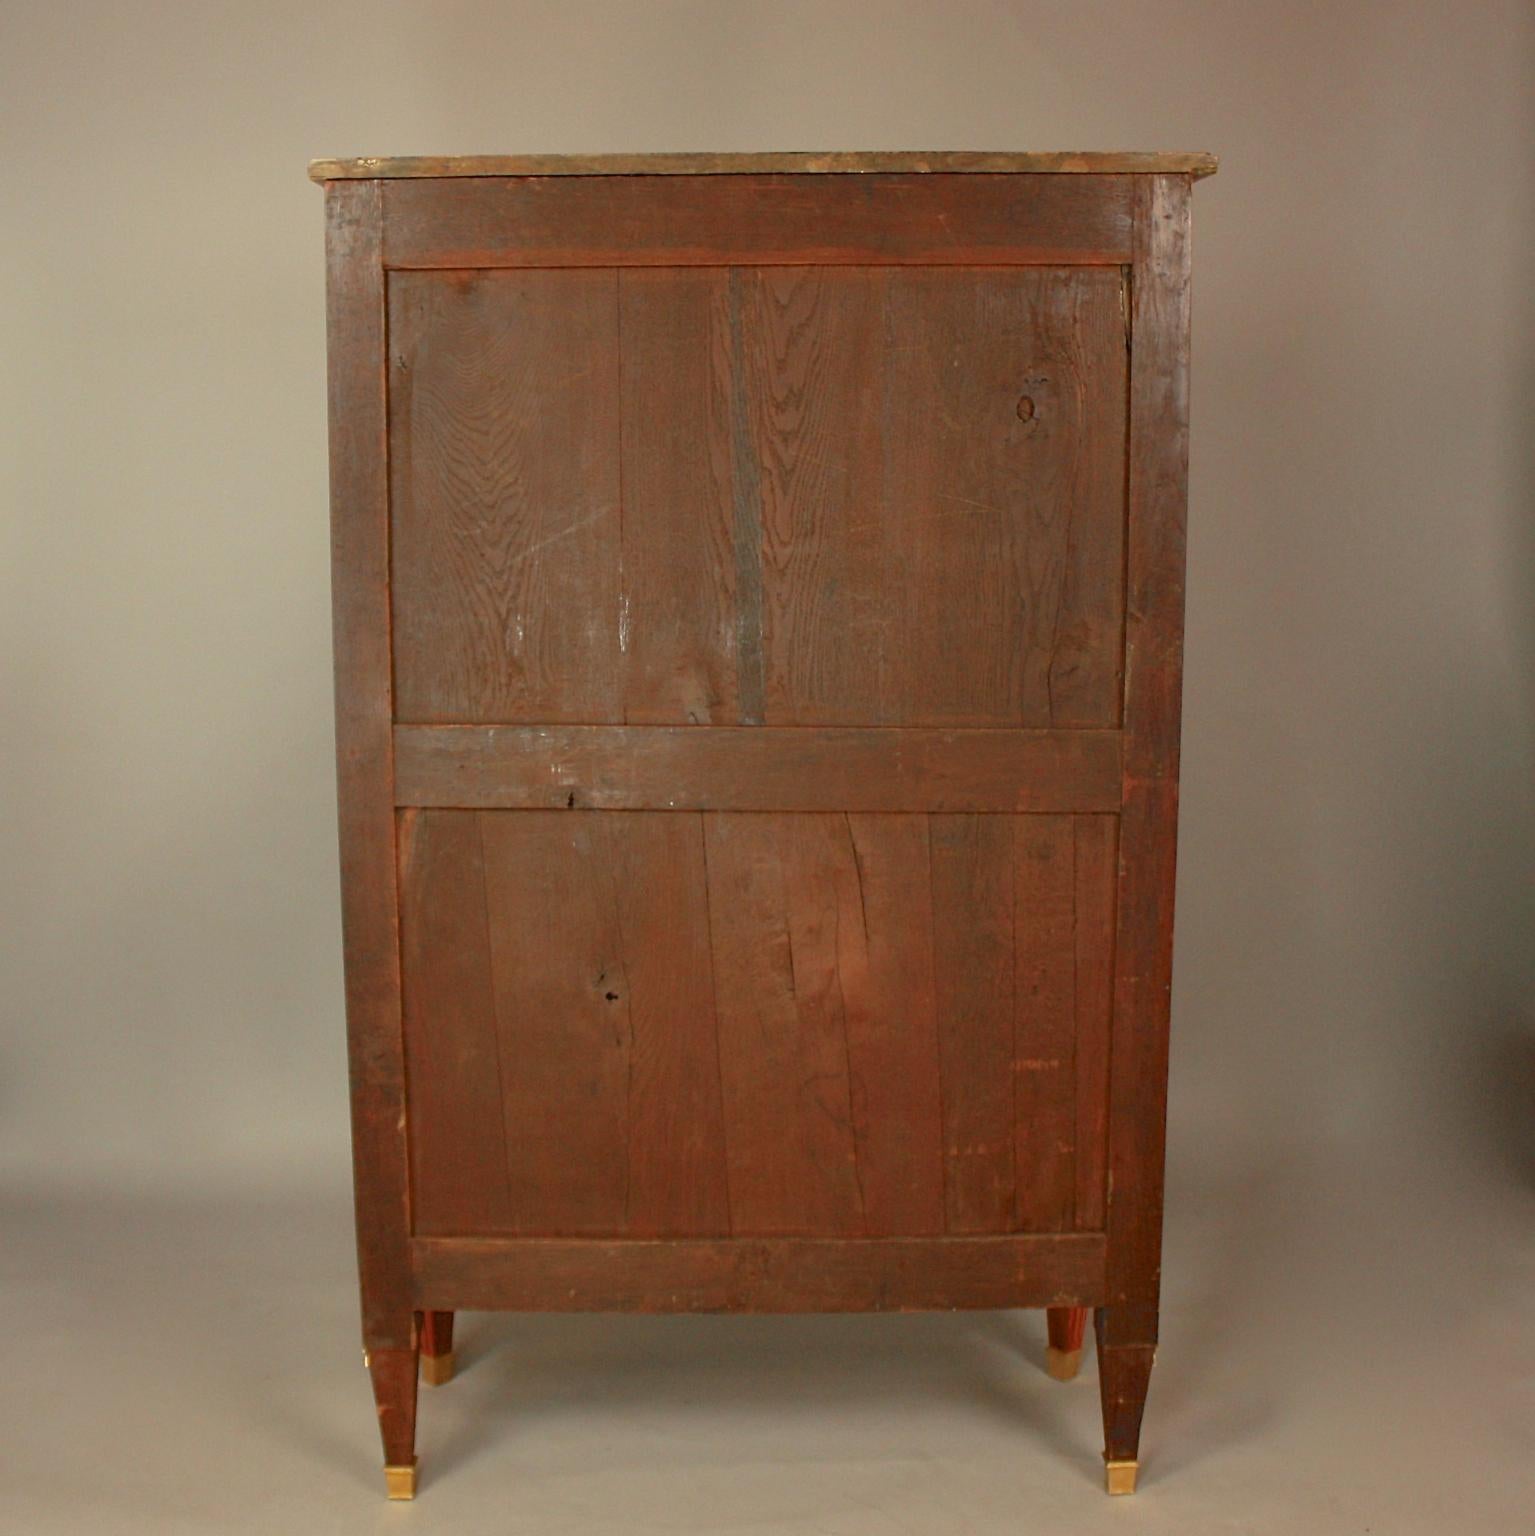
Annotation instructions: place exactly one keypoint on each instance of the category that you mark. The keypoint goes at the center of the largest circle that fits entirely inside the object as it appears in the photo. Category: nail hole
(612, 997)
(570, 801)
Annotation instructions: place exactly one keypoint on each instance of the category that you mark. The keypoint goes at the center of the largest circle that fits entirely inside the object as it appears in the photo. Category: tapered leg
(394, 1391)
(436, 1348)
(1124, 1373)
(1063, 1359)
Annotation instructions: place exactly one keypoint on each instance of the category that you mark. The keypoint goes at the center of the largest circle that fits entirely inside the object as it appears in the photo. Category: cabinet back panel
(737, 495)
(715, 1024)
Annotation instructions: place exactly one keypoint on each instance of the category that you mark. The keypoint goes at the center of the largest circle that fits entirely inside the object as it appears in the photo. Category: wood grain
(678, 616)
(757, 769)
(562, 999)
(1097, 867)
(905, 162)
(886, 980)
(758, 617)
(756, 220)
(790, 1144)
(1158, 488)
(823, 506)
(759, 1275)
(359, 498)
(458, 1148)
(1044, 1023)
(676, 1164)
(505, 484)
(1003, 426)
(973, 957)
(812, 366)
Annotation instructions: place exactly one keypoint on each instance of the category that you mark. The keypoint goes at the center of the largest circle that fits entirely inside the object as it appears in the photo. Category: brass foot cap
(1063, 1364)
(1121, 1475)
(400, 1482)
(437, 1369)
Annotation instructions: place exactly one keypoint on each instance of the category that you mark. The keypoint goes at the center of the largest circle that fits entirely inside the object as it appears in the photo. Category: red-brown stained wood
(559, 994)
(812, 356)
(971, 220)
(884, 942)
(760, 1274)
(436, 1333)
(1097, 880)
(789, 1138)
(1097, 865)
(1066, 1326)
(761, 594)
(562, 1000)
(758, 769)
(1044, 1065)
(1157, 488)
(458, 1150)
(678, 615)
(364, 769)
(1003, 496)
(393, 1374)
(676, 1153)
(505, 487)
(973, 957)
(842, 496)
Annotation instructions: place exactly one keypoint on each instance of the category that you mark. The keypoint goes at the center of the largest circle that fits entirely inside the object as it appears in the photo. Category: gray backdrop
(1353, 1110)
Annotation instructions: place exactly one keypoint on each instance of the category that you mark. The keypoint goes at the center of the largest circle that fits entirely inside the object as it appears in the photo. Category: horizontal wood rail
(780, 1274)
(755, 768)
(681, 221)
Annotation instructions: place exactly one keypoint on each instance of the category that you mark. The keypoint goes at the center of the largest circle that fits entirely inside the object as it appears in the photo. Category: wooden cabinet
(758, 594)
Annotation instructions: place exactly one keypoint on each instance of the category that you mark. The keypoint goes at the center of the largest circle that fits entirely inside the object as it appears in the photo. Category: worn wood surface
(504, 469)
(688, 221)
(758, 633)
(364, 757)
(1157, 488)
(760, 1275)
(839, 1024)
(806, 496)
(460, 1168)
(853, 162)
(823, 768)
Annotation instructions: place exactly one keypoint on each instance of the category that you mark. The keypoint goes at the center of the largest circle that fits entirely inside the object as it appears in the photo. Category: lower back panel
(656, 1023)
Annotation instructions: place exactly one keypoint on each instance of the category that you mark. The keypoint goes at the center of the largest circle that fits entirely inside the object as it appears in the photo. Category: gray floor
(1339, 1354)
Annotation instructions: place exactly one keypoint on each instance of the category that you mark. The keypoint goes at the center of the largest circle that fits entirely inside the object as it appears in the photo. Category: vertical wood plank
(812, 361)
(676, 1154)
(1085, 381)
(1044, 1064)
(885, 971)
(1158, 491)
(1097, 839)
(505, 483)
(789, 1137)
(678, 616)
(973, 956)
(364, 755)
(1003, 423)
(562, 1003)
(452, 1051)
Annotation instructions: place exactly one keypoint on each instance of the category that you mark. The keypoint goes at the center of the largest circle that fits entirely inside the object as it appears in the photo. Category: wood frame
(1129, 210)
